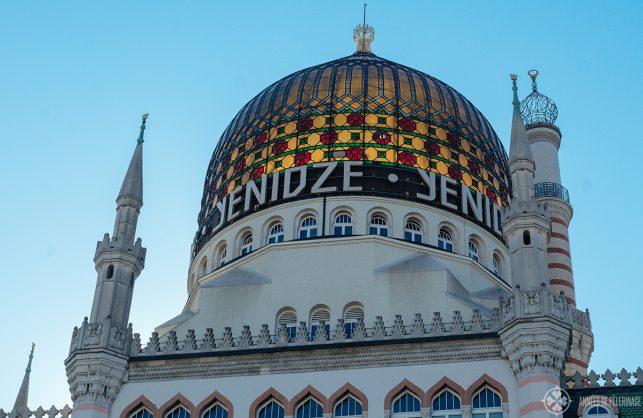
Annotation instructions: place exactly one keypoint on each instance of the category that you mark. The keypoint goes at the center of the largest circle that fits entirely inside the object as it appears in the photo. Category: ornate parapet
(40, 412)
(341, 333)
(101, 335)
(607, 379)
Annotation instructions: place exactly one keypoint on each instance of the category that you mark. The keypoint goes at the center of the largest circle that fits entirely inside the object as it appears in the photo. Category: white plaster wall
(375, 383)
(546, 158)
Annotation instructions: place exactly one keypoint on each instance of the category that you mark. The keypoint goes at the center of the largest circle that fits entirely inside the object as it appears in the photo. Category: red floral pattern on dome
(355, 119)
(488, 161)
(279, 147)
(225, 160)
(355, 153)
(302, 158)
(432, 148)
(304, 124)
(491, 194)
(328, 137)
(455, 173)
(452, 138)
(382, 137)
(239, 165)
(474, 166)
(408, 158)
(407, 124)
(260, 139)
(223, 193)
(257, 172)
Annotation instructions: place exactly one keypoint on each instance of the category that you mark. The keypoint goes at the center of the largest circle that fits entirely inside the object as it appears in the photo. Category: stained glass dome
(361, 107)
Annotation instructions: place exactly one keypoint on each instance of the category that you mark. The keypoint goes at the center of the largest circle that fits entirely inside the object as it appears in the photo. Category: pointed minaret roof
(519, 148)
(133, 182)
(23, 394)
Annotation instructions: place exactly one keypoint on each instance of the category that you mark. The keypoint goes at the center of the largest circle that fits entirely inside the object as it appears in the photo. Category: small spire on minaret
(133, 182)
(519, 148)
(23, 394)
(363, 35)
(140, 135)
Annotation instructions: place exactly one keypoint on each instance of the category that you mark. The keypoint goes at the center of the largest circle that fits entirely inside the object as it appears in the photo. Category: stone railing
(52, 412)
(542, 302)
(342, 333)
(607, 379)
(101, 334)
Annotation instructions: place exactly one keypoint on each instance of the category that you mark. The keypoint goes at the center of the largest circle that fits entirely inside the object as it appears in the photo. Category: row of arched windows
(404, 401)
(343, 224)
(287, 317)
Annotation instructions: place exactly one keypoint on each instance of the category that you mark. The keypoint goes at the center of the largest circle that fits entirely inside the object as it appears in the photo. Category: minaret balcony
(547, 189)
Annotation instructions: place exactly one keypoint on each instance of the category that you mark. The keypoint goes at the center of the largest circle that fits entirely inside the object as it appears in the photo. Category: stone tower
(539, 113)
(99, 350)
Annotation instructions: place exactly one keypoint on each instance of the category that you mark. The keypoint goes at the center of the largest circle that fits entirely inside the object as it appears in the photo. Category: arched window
(597, 411)
(446, 405)
(497, 265)
(308, 227)
(406, 406)
(445, 241)
(271, 409)
(486, 404)
(178, 412)
(110, 271)
(288, 318)
(413, 230)
(215, 411)
(343, 224)
(321, 314)
(246, 244)
(276, 233)
(310, 408)
(348, 407)
(378, 225)
(473, 250)
(203, 267)
(222, 255)
(351, 316)
(141, 412)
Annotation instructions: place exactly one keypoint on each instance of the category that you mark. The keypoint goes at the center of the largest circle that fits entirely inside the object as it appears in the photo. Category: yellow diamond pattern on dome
(365, 108)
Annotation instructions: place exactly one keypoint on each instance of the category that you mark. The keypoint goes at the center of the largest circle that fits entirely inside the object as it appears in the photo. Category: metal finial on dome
(538, 109)
(364, 35)
(140, 135)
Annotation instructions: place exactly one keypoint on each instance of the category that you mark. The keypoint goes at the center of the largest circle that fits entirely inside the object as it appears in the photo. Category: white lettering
(487, 211)
(234, 199)
(221, 206)
(274, 195)
(445, 191)
(348, 174)
(251, 188)
(468, 200)
(496, 219)
(317, 187)
(287, 179)
(429, 180)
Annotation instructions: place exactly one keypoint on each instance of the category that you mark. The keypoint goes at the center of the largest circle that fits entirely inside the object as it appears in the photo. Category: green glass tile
(432, 131)
(408, 141)
(474, 183)
(328, 154)
(329, 120)
(303, 141)
(277, 164)
(433, 164)
(281, 130)
(381, 120)
(381, 154)
(355, 136)
(258, 155)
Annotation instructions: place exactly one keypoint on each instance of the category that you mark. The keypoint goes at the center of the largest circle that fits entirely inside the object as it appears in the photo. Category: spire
(133, 183)
(363, 35)
(519, 148)
(23, 394)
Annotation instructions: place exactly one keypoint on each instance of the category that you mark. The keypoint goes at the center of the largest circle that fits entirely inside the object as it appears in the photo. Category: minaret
(540, 113)
(99, 351)
(20, 406)
(526, 224)
(536, 332)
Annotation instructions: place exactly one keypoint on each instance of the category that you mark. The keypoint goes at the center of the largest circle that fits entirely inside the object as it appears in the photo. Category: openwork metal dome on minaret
(538, 109)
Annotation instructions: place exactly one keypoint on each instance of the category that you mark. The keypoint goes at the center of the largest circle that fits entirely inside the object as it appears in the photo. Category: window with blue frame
(308, 227)
(276, 233)
(351, 316)
(348, 407)
(310, 408)
(406, 406)
(215, 411)
(473, 251)
(179, 412)
(142, 412)
(378, 225)
(222, 255)
(413, 230)
(316, 318)
(486, 404)
(597, 411)
(271, 409)
(246, 244)
(446, 405)
(343, 224)
(445, 240)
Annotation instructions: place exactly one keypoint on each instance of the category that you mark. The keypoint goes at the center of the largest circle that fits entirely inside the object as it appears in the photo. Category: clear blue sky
(75, 77)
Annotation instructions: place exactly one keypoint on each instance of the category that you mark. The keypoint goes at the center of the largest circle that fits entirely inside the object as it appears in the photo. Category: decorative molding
(349, 389)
